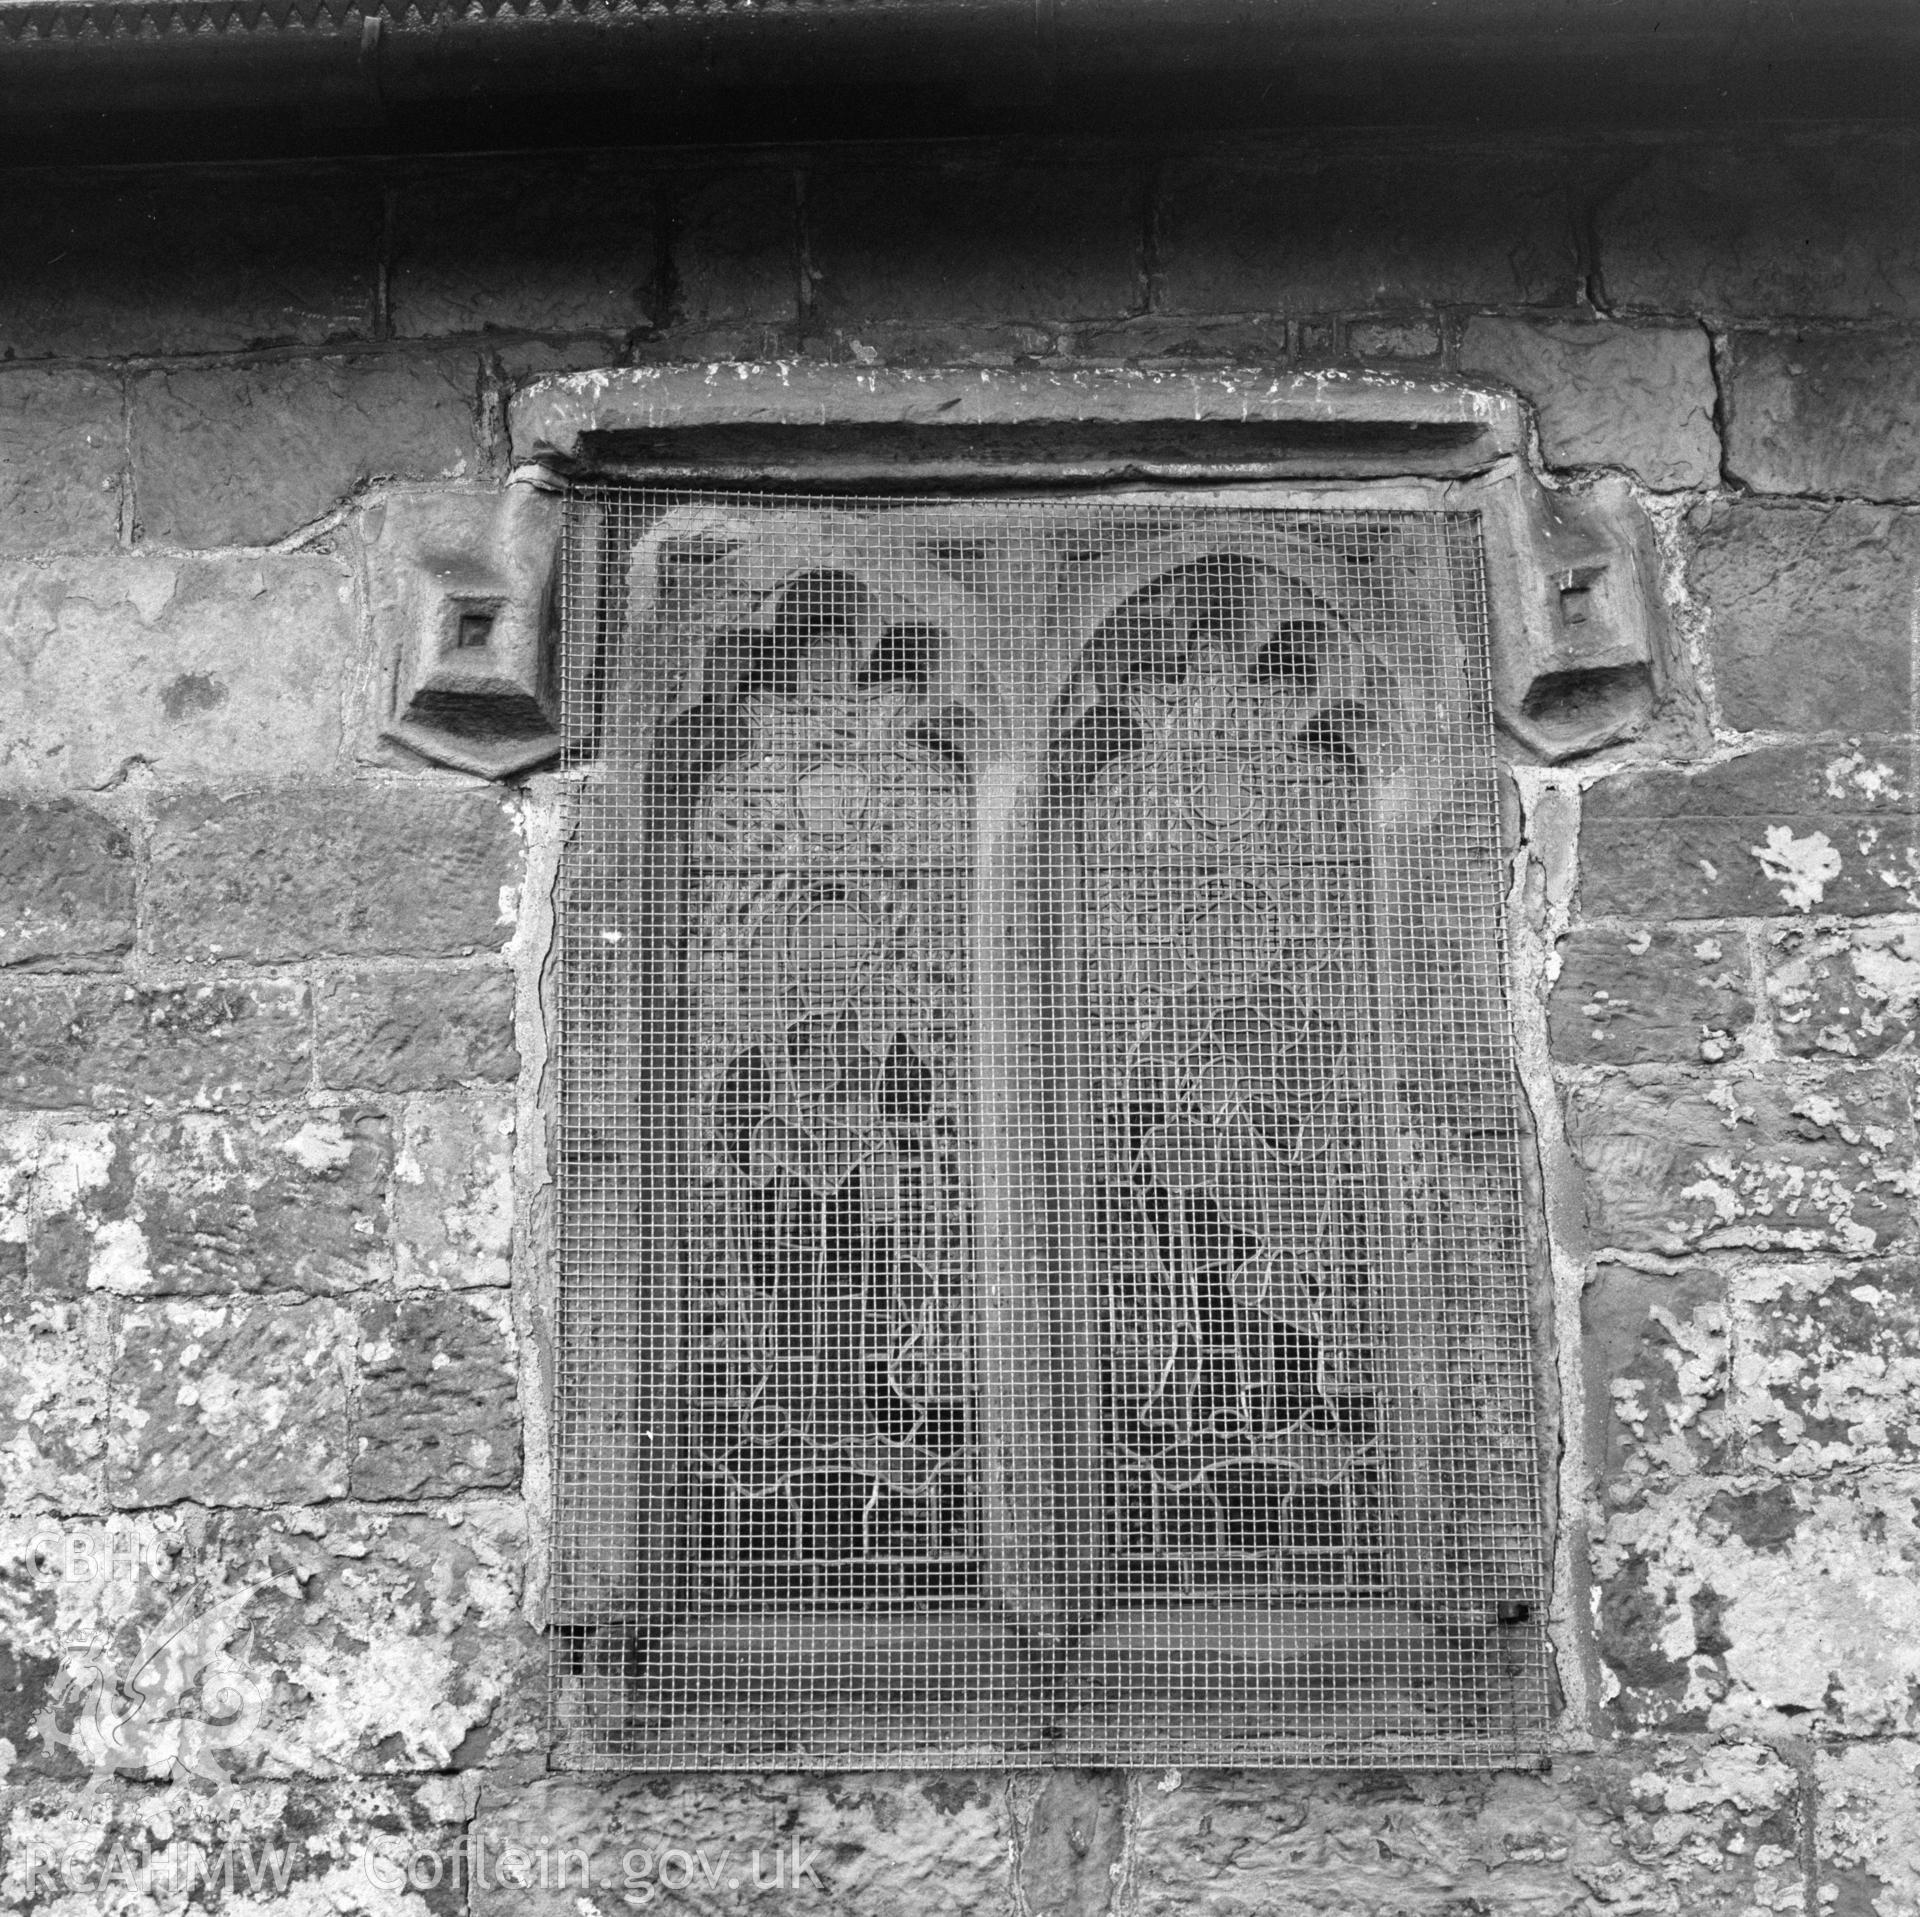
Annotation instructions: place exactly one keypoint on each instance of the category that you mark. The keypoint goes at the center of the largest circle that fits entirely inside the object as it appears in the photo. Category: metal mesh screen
(1042, 1275)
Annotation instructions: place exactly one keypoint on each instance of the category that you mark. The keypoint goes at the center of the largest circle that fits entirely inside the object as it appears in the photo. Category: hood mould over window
(464, 584)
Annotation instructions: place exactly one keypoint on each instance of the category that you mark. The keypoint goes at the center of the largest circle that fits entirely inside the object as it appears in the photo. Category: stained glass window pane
(1043, 1275)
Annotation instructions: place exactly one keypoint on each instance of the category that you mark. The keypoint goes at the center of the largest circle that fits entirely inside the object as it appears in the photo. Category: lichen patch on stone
(1801, 867)
(1752, 1603)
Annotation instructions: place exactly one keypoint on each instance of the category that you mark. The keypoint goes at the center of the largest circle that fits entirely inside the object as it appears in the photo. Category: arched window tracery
(826, 958)
(1228, 871)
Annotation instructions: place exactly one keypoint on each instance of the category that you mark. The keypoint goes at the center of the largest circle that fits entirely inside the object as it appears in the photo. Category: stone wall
(265, 1313)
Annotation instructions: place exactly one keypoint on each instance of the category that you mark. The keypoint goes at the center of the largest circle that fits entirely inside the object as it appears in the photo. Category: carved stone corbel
(464, 604)
(1578, 627)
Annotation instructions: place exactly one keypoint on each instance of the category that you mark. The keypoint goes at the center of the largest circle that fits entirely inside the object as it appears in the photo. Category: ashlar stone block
(335, 870)
(1846, 992)
(1782, 1161)
(453, 1191)
(53, 1399)
(66, 886)
(230, 1403)
(1631, 994)
(438, 1409)
(416, 1029)
(113, 1047)
(1827, 1368)
(1836, 414)
(359, 1645)
(1363, 228)
(1638, 397)
(62, 450)
(1760, 1604)
(1781, 831)
(871, 1846)
(1816, 224)
(1656, 1351)
(1712, 1829)
(1866, 1839)
(243, 456)
(195, 669)
(1812, 627)
(283, 1200)
(557, 246)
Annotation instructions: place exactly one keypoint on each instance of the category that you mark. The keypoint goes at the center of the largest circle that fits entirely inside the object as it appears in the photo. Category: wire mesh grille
(1042, 1268)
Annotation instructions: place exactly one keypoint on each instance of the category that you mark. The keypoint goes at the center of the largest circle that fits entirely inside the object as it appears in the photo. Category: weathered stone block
(558, 246)
(269, 1201)
(1714, 1831)
(61, 1574)
(1319, 342)
(1071, 1844)
(1760, 1602)
(1824, 413)
(62, 450)
(438, 1411)
(1641, 397)
(453, 1191)
(416, 1030)
(1805, 226)
(1341, 230)
(736, 263)
(761, 341)
(1849, 993)
(1715, 1827)
(1812, 614)
(1866, 1841)
(1393, 339)
(1155, 337)
(204, 1204)
(62, 1181)
(345, 1846)
(53, 1400)
(1627, 994)
(318, 871)
(242, 456)
(232, 1403)
(394, 1643)
(112, 1046)
(196, 669)
(66, 886)
(191, 261)
(915, 343)
(871, 1846)
(1828, 1371)
(1656, 1354)
(1782, 830)
(1785, 1161)
(970, 242)
(354, 1642)
(508, 363)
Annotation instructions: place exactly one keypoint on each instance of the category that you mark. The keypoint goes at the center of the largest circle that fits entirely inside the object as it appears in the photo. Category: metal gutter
(305, 76)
